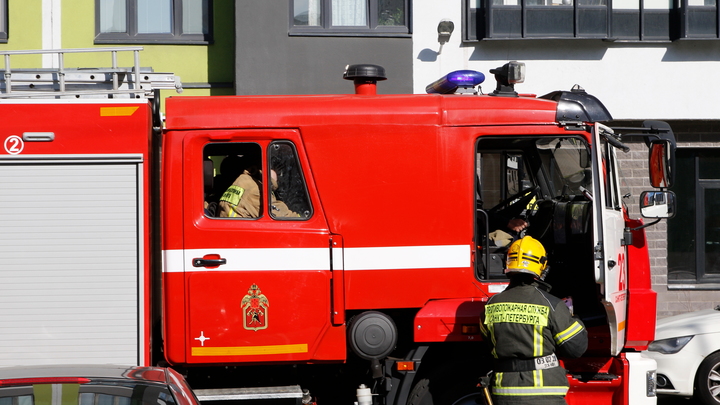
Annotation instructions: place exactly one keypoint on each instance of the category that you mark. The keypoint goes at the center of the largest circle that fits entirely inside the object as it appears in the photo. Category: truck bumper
(642, 386)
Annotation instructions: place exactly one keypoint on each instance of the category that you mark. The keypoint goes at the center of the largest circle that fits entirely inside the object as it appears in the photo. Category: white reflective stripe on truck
(371, 258)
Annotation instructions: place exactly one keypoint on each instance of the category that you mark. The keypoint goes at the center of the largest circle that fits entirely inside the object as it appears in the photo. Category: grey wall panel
(69, 240)
(269, 61)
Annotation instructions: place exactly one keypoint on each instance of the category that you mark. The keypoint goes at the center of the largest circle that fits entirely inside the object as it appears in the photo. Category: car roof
(104, 372)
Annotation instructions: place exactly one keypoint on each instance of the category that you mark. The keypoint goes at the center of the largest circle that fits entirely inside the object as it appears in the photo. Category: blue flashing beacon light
(463, 79)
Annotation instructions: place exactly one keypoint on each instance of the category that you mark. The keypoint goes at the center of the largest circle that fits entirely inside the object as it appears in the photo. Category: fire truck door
(608, 225)
(257, 256)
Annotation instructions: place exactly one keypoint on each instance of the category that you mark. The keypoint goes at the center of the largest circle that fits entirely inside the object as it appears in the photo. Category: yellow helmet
(527, 255)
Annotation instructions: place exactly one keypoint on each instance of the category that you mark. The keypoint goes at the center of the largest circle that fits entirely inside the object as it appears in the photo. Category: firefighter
(243, 198)
(526, 328)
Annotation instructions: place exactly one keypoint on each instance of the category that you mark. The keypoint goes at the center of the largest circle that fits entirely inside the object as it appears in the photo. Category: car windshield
(92, 393)
(566, 162)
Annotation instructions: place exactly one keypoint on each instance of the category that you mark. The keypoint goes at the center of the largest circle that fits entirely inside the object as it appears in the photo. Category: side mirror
(657, 204)
(661, 163)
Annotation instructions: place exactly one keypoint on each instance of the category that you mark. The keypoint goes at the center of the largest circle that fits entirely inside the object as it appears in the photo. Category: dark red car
(93, 385)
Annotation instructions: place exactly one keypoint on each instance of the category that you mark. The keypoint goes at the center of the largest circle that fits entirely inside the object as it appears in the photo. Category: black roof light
(577, 106)
(506, 76)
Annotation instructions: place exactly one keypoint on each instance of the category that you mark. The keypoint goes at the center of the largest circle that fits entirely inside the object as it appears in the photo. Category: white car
(687, 351)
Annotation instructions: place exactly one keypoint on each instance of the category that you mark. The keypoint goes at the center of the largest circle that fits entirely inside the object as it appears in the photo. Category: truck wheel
(447, 389)
(707, 383)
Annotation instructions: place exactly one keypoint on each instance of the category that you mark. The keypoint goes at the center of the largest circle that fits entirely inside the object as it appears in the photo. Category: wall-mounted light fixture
(445, 29)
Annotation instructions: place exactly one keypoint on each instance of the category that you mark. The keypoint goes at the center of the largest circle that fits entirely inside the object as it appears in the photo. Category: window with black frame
(626, 20)
(288, 191)
(693, 235)
(540, 19)
(700, 19)
(233, 182)
(153, 21)
(350, 17)
(644, 20)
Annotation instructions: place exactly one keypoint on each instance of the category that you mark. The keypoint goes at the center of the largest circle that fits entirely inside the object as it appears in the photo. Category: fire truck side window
(289, 193)
(234, 186)
(612, 200)
(233, 180)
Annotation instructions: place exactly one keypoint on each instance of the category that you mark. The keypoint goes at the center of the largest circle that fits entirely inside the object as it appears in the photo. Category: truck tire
(447, 389)
(707, 381)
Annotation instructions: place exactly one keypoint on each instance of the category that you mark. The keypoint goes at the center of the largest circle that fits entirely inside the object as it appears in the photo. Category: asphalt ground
(675, 400)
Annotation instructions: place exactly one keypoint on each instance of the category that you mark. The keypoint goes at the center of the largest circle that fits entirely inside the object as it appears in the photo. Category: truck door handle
(199, 262)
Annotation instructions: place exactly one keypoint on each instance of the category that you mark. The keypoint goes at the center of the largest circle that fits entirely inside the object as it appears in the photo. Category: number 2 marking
(14, 144)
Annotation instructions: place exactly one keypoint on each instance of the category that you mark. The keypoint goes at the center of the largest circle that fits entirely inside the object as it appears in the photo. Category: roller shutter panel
(69, 263)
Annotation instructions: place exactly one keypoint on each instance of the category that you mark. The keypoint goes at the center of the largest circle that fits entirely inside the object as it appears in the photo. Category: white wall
(678, 80)
(51, 30)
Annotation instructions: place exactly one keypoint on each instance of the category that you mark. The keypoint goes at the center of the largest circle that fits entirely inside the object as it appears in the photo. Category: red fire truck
(374, 241)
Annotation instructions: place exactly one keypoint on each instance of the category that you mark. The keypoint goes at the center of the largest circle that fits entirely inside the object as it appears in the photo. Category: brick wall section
(634, 168)
(634, 180)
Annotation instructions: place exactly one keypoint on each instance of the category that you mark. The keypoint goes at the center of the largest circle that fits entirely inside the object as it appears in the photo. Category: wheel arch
(696, 370)
(439, 362)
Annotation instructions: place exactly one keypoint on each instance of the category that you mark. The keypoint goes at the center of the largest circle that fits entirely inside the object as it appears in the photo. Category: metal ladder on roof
(102, 82)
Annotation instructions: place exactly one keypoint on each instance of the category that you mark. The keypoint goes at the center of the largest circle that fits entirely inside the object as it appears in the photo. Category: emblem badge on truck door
(255, 309)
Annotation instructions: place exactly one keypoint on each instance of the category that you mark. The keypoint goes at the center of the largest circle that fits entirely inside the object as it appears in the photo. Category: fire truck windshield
(566, 163)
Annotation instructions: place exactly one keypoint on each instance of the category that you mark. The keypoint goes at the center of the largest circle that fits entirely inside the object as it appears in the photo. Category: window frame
(370, 30)
(644, 24)
(263, 153)
(691, 223)
(479, 17)
(268, 156)
(611, 184)
(649, 24)
(693, 13)
(131, 36)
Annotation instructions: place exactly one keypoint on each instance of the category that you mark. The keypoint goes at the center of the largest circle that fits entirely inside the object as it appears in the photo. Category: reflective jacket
(523, 324)
(242, 198)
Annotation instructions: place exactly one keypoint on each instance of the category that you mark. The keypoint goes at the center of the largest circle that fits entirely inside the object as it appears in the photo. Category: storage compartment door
(69, 270)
